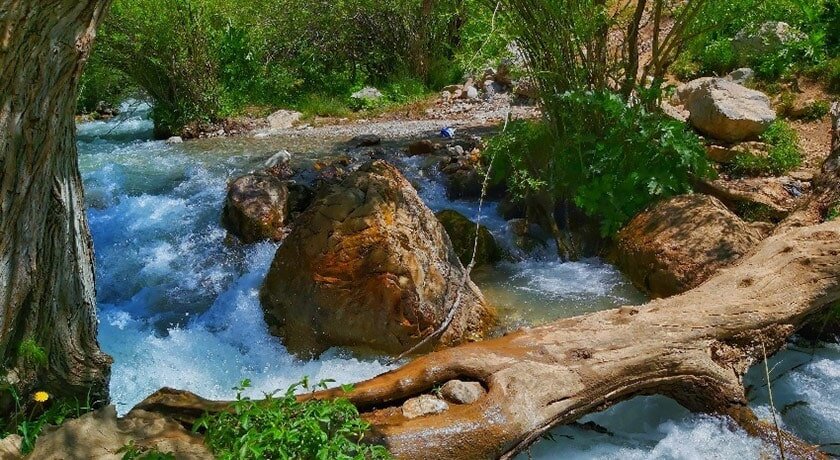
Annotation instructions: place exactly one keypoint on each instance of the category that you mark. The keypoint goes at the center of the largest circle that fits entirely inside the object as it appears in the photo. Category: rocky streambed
(179, 297)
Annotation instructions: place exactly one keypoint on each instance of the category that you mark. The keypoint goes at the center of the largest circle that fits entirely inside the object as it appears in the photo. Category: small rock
(455, 150)
(283, 119)
(423, 405)
(366, 140)
(460, 392)
(175, 140)
(804, 176)
(424, 147)
(367, 93)
(472, 92)
(741, 76)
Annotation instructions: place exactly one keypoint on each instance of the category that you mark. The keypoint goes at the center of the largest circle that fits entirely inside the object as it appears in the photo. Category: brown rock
(681, 242)
(100, 435)
(368, 264)
(256, 208)
(725, 110)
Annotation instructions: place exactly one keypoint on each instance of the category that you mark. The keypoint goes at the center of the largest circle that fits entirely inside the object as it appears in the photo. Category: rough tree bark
(46, 259)
(694, 348)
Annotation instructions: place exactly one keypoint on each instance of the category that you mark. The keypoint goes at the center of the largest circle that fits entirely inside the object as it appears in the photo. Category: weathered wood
(46, 259)
(694, 348)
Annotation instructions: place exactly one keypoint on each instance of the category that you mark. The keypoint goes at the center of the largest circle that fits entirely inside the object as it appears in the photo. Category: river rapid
(178, 302)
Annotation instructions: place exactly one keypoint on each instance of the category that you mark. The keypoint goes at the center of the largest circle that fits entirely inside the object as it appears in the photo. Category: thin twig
(772, 405)
(453, 310)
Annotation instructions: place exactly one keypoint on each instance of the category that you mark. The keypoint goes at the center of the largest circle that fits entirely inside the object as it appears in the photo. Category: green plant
(784, 154)
(31, 416)
(611, 158)
(30, 351)
(283, 427)
(718, 57)
(832, 75)
(833, 212)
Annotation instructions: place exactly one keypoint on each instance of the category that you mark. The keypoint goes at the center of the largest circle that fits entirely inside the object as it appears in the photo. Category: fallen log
(694, 348)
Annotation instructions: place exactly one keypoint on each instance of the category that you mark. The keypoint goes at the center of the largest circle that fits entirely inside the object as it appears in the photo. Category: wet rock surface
(368, 264)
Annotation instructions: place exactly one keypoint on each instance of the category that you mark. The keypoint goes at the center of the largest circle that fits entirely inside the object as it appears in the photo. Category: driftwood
(694, 348)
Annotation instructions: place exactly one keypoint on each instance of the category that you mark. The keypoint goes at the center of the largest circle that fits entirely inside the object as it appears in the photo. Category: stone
(422, 147)
(681, 242)
(283, 119)
(423, 405)
(462, 235)
(367, 93)
(727, 111)
(769, 38)
(368, 264)
(257, 208)
(527, 235)
(803, 175)
(725, 154)
(472, 92)
(741, 76)
(458, 392)
(10, 447)
(366, 140)
(100, 435)
(175, 140)
(526, 88)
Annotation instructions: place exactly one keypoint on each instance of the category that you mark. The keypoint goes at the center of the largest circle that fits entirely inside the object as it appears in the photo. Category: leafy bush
(611, 158)
(283, 427)
(833, 75)
(718, 57)
(784, 153)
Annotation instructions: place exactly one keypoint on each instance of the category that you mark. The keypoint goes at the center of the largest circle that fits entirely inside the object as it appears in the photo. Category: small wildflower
(41, 396)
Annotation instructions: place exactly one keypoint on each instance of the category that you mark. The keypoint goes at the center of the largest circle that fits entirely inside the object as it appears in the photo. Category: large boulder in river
(725, 110)
(462, 234)
(680, 242)
(369, 265)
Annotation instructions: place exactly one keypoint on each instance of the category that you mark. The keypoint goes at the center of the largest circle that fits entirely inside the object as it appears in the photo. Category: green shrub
(718, 57)
(833, 75)
(833, 212)
(283, 427)
(611, 158)
(784, 153)
(132, 452)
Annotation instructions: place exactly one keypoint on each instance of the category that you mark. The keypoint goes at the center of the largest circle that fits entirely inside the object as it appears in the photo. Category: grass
(784, 153)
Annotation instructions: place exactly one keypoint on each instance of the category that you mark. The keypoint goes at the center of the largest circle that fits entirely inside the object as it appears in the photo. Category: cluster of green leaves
(713, 53)
(612, 158)
(284, 428)
(30, 418)
(784, 154)
(833, 212)
(203, 60)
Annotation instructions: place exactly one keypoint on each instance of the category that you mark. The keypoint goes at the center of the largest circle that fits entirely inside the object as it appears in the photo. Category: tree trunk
(47, 297)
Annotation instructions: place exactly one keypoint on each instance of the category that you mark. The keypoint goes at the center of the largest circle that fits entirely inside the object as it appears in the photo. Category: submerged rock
(725, 110)
(368, 264)
(462, 234)
(423, 405)
(679, 243)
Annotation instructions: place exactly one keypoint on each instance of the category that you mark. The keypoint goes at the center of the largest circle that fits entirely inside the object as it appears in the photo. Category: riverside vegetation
(603, 151)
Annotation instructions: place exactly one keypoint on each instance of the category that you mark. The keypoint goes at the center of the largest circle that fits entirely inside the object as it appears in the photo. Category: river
(178, 299)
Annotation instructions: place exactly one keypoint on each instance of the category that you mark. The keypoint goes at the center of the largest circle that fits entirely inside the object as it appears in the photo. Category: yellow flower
(41, 396)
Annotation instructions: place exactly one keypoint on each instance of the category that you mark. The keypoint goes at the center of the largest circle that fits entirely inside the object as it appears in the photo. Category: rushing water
(178, 299)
